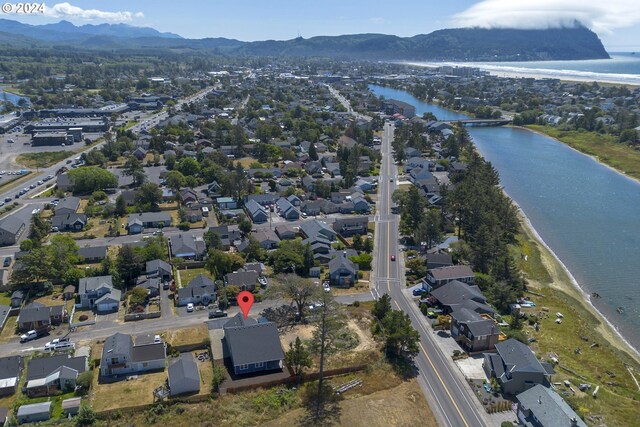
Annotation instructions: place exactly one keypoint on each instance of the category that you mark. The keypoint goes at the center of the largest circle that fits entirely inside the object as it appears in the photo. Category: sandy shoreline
(570, 286)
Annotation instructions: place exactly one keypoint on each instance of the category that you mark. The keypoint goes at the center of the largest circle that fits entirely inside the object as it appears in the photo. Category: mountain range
(460, 44)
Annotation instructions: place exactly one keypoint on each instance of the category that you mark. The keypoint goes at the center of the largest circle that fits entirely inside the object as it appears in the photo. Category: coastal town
(142, 203)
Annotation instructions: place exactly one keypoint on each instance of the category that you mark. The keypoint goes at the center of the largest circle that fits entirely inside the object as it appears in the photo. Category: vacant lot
(123, 394)
(187, 275)
(42, 159)
(187, 336)
(403, 405)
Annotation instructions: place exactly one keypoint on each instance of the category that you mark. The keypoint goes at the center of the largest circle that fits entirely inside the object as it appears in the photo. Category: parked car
(189, 307)
(418, 292)
(31, 335)
(7, 261)
(214, 314)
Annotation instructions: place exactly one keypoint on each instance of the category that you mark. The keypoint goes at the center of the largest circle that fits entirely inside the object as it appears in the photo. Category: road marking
(446, 389)
(388, 256)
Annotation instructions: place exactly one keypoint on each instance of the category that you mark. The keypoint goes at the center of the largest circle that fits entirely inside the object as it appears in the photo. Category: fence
(293, 379)
(78, 324)
(141, 316)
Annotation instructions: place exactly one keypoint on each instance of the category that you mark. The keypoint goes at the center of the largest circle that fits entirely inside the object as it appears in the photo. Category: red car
(393, 257)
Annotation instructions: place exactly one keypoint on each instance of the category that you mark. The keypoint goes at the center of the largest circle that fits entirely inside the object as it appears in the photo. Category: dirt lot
(403, 405)
(187, 336)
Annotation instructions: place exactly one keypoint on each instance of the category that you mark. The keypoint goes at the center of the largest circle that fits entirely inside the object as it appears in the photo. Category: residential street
(441, 381)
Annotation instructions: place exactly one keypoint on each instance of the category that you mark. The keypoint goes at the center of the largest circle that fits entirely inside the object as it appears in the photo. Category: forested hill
(460, 44)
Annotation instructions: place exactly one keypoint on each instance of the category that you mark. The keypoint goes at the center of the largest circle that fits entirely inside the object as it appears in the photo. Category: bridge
(481, 122)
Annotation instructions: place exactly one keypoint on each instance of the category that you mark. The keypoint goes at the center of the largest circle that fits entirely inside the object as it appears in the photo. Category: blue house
(257, 212)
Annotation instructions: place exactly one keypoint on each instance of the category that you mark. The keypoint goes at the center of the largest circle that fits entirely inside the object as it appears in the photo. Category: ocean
(623, 67)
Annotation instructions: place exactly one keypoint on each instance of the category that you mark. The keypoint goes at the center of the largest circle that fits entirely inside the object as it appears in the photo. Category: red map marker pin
(245, 301)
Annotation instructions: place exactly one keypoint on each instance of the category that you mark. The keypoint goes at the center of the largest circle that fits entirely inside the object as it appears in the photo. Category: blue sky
(617, 22)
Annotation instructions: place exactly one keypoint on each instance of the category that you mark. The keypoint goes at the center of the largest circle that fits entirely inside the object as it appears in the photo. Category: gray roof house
(10, 372)
(253, 347)
(456, 295)
(188, 246)
(473, 332)
(68, 205)
(136, 223)
(11, 228)
(200, 290)
(516, 367)
(351, 225)
(442, 275)
(159, 268)
(343, 271)
(90, 254)
(120, 356)
(256, 211)
(34, 412)
(287, 210)
(313, 228)
(246, 280)
(46, 375)
(69, 221)
(268, 239)
(542, 407)
(183, 376)
(98, 292)
(40, 317)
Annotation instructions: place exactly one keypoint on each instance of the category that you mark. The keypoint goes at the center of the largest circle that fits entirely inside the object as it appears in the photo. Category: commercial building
(51, 138)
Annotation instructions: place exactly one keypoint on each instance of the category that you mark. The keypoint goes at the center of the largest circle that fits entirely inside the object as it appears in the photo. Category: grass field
(5, 298)
(9, 330)
(604, 147)
(187, 336)
(42, 159)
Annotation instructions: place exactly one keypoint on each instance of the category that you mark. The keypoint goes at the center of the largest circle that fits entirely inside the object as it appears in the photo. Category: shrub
(184, 226)
(83, 317)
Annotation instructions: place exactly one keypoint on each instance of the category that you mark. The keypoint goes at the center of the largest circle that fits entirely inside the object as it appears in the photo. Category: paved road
(441, 381)
(104, 328)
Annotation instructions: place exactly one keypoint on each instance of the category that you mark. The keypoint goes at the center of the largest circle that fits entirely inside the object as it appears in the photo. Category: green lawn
(5, 298)
(42, 159)
(604, 147)
(187, 275)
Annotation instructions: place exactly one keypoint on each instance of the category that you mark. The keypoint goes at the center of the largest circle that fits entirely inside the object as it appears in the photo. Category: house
(159, 268)
(33, 412)
(287, 210)
(16, 299)
(98, 292)
(442, 275)
(68, 205)
(226, 203)
(136, 223)
(200, 290)
(311, 207)
(438, 260)
(92, 254)
(473, 331)
(188, 246)
(10, 372)
(253, 347)
(456, 295)
(268, 239)
(40, 317)
(184, 376)
(64, 182)
(516, 367)
(360, 205)
(286, 232)
(294, 200)
(343, 271)
(542, 407)
(11, 228)
(256, 212)
(313, 227)
(245, 280)
(365, 185)
(188, 196)
(68, 292)
(121, 357)
(69, 222)
(262, 199)
(47, 375)
(194, 213)
(150, 284)
(351, 225)
(139, 153)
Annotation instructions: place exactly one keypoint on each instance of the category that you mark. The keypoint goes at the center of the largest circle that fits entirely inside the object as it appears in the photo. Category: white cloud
(601, 16)
(377, 20)
(69, 11)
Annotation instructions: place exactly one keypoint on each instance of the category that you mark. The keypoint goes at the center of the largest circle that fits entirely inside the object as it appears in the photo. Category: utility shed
(71, 406)
(34, 412)
(184, 376)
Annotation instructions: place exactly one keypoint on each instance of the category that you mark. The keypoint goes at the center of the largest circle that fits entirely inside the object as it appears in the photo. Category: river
(588, 214)
(10, 97)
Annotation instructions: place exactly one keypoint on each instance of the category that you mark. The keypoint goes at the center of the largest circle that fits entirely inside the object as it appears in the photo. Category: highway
(442, 383)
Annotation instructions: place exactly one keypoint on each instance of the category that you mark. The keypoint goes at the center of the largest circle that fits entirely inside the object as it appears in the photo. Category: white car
(189, 307)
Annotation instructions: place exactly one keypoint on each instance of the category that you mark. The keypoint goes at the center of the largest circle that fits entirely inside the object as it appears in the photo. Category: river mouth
(587, 214)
